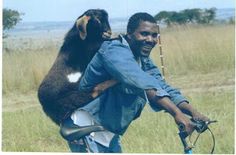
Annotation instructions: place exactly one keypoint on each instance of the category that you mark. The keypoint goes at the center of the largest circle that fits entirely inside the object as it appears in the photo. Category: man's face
(144, 38)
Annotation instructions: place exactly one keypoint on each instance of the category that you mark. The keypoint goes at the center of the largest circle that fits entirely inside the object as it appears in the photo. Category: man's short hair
(136, 19)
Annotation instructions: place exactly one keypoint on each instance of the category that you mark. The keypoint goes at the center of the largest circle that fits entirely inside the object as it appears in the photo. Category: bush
(10, 19)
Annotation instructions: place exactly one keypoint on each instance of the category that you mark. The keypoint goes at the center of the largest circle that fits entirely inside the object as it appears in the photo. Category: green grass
(199, 60)
(157, 133)
(30, 130)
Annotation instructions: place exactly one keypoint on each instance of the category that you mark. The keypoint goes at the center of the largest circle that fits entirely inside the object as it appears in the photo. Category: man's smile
(147, 47)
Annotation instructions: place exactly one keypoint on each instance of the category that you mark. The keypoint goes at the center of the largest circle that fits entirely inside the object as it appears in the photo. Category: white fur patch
(74, 77)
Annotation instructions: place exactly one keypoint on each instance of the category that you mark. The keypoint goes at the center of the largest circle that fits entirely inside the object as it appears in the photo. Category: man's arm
(166, 104)
(101, 87)
(120, 63)
(175, 95)
(149, 67)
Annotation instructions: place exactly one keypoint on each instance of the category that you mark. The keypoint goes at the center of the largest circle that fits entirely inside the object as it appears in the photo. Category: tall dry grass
(24, 70)
(197, 49)
(187, 50)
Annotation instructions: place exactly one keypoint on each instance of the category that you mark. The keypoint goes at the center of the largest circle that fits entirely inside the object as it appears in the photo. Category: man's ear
(81, 24)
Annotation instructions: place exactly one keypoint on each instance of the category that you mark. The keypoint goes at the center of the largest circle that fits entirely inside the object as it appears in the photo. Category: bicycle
(72, 133)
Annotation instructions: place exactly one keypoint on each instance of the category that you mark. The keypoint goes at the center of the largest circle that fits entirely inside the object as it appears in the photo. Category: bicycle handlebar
(200, 126)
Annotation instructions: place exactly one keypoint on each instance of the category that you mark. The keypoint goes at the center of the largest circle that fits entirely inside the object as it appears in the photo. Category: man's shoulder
(115, 43)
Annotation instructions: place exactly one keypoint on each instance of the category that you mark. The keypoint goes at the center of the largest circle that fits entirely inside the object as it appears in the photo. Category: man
(127, 61)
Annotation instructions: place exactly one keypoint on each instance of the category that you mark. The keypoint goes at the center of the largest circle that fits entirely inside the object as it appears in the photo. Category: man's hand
(199, 117)
(191, 111)
(166, 104)
(182, 119)
(101, 87)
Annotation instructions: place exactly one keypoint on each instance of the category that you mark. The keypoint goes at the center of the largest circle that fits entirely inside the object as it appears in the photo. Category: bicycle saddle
(70, 131)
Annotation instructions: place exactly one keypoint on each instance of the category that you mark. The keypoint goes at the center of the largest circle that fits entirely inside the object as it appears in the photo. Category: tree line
(193, 16)
(183, 17)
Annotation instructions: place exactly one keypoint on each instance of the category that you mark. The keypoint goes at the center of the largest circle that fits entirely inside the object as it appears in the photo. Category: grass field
(199, 60)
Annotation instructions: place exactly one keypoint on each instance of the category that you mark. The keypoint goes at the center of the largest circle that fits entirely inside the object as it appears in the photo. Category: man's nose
(149, 38)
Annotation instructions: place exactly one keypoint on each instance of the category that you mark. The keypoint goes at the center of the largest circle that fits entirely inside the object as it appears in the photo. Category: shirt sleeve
(119, 61)
(175, 95)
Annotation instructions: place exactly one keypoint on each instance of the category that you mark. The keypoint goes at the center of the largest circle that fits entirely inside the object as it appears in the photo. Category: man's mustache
(148, 44)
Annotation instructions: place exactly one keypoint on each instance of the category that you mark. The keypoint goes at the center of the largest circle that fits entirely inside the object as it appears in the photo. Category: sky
(69, 10)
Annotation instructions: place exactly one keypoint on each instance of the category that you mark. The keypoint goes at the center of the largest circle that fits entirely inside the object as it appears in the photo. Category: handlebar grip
(183, 135)
(181, 127)
(182, 132)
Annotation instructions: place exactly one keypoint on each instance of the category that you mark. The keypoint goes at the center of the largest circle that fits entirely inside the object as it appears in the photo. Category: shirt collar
(124, 40)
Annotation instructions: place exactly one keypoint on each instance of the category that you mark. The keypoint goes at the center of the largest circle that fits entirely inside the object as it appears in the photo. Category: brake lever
(201, 126)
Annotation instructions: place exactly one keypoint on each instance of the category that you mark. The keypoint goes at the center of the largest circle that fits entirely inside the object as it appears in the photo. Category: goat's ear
(81, 24)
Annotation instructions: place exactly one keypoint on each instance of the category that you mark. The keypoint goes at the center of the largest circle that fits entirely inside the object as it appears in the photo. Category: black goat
(58, 92)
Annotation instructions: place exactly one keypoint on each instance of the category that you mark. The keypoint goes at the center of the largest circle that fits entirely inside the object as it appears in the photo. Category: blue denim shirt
(118, 106)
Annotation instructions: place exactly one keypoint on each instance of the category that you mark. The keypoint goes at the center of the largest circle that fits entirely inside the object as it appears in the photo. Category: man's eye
(144, 33)
(154, 35)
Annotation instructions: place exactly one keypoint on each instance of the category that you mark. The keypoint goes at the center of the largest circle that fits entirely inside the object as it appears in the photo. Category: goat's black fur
(56, 94)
